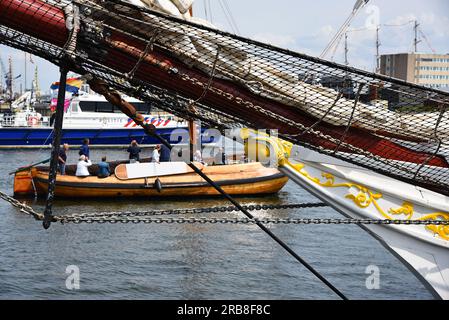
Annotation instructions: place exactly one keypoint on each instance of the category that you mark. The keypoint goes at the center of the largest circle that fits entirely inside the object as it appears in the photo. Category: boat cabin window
(85, 88)
(74, 107)
(103, 106)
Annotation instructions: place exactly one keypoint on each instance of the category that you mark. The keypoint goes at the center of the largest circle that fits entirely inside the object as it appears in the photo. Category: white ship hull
(359, 193)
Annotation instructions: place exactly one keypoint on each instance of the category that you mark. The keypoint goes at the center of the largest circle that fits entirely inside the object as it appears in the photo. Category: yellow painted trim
(365, 197)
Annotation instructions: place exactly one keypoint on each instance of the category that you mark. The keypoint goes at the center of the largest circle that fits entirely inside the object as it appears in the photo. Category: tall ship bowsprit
(373, 147)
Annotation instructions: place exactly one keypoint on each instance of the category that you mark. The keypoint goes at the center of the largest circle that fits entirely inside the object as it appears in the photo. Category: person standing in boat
(84, 149)
(198, 157)
(81, 167)
(155, 157)
(62, 158)
(104, 170)
(165, 154)
(134, 151)
(220, 157)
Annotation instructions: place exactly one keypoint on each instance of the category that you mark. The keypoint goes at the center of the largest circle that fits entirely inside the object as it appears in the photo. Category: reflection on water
(186, 261)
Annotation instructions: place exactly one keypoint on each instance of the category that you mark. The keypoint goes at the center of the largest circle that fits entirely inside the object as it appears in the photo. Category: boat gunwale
(95, 185)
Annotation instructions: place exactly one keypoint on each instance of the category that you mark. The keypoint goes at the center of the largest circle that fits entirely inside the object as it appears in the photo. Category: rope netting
(189, 68)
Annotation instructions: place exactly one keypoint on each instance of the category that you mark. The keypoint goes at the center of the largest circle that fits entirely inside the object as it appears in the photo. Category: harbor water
(187, 261)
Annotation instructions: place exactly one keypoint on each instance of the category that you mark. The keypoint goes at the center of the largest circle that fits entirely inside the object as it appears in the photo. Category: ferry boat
(88, 115)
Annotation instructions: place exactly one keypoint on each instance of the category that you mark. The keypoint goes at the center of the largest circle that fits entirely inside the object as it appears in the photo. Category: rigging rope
(114, 98)
(55, 148)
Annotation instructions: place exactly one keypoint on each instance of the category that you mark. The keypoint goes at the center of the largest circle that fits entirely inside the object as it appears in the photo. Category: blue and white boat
(89, 115)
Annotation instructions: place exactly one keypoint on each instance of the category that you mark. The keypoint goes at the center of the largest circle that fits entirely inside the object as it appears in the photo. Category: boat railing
(32, 121)
(8, 121)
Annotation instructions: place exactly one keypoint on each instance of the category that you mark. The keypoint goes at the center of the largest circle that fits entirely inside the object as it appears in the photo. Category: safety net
(184, 65)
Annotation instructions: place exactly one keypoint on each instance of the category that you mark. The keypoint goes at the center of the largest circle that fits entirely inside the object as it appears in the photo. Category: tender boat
(235, 179)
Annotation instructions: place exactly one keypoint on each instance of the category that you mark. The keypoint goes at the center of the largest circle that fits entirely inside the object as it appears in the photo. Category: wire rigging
(228, 15)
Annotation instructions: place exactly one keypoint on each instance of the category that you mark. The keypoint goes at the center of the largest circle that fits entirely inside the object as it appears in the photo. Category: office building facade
(430, 70)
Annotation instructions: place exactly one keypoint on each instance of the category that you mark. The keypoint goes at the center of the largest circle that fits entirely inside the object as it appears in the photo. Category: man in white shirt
(81, 167)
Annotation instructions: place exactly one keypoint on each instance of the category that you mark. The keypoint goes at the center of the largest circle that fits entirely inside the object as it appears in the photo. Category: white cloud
(280, 40)
(326, 31)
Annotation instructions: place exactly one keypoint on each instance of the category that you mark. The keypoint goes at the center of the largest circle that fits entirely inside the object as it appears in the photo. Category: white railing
(7, 121)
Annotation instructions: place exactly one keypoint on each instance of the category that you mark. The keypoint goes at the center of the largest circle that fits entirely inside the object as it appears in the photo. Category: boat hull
(41, 137)
(242, 179)
(361, 194)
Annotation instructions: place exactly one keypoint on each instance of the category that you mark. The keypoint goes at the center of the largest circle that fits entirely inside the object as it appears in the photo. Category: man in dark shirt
(62, 158)
(103, 168)
(84, 149)
(134, 151)
(165, 154)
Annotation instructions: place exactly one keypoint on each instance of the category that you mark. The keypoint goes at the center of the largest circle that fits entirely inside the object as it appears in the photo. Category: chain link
(197, 210)
(21, 206)
(148, 216)
(220, 220)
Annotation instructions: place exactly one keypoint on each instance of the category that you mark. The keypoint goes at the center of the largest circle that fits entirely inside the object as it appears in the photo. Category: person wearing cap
(81, 167)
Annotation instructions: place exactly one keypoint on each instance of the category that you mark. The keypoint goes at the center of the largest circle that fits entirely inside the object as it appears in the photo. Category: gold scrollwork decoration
(365, 197)
(406, 209)
(440, 230)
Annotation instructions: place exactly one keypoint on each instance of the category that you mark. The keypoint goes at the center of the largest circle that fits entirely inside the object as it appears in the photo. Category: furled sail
(154, 50)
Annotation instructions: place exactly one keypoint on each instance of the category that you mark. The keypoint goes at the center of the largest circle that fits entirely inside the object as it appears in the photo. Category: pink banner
(54, 103)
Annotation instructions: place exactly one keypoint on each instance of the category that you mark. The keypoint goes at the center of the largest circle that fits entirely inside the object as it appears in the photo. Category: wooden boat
(235, 179)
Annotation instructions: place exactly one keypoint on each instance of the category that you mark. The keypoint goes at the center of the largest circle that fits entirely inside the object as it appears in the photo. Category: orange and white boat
(235, 179)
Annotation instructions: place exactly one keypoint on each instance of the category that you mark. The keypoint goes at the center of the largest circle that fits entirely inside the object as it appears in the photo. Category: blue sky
(307, 26)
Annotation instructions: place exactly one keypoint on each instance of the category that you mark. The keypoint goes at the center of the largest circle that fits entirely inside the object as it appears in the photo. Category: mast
(377, 50)
(3, 77)
(25, 73)
(346, 49)
(9, 84)
(36, 84)
(191, 123)
(1, 80)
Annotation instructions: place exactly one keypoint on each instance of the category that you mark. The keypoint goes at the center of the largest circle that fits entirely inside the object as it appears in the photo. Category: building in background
(430, 70)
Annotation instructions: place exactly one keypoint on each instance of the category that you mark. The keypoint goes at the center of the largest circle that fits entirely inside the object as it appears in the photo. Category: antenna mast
(416, 40)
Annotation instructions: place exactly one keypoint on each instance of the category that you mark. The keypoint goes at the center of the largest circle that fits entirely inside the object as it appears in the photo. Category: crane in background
(333, 44)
